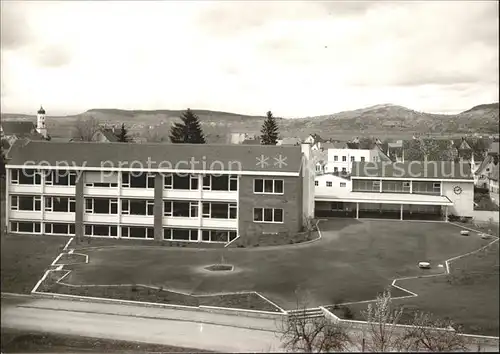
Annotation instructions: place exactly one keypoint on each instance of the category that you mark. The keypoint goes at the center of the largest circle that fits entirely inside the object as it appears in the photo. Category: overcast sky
(294, 58)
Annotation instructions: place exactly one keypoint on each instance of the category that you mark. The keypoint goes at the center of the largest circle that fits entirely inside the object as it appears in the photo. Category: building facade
(341, 160)
(183, 192)
(415, 190)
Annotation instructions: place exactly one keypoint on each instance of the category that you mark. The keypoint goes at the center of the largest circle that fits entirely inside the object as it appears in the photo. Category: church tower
(40, 122)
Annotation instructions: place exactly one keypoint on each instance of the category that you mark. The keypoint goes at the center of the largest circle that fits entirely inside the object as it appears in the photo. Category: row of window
(362, 158)
(330, 184)
(49, 228)
(146, 180)
(268, 215)
(396, 186)
(52, 178)
(170, 234)
(144, 207)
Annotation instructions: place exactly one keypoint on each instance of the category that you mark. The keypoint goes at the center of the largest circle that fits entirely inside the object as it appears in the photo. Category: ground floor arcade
(424, 209)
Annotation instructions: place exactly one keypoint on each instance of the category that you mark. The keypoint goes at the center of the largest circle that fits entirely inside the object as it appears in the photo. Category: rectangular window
(136, 180)
(180, 234)
(101, 184)
(329, 183)
(352, 158)
(206, 210)
(268, 186)
(60, 178)
(101, 206)
(335, 169)
(60, 204)
(138, 232)
(101, 230)
(335, 158)
(344, 169)
(376, 186)
(207, 182)
(137, 207)
(181, 182)
(344, 158)
(342, 184)
(233, 211)
(167, 181)
(362, 159)
(26, 227)
(26, 176)
(193, 180)
(26, 203)
(222, 236)
(167, 208)
(183, 209)
(233, 183)
(60, 229)
(14, 178)
(268, 215)
(220, 183)
(316, 183)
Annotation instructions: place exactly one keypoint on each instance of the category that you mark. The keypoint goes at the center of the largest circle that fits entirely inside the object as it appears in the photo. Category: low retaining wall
(485, 216)
(363, 326)
(202, 308)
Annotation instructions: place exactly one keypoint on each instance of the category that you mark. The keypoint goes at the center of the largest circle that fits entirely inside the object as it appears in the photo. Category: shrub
(348, 314)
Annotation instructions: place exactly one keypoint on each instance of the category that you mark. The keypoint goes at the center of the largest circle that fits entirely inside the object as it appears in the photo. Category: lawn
(25, 259)
(353, 261)
(469, 295)
(15, 341)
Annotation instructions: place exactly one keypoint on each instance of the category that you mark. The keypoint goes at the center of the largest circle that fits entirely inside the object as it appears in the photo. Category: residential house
(340, 160)
(20, 129)
(493, 184)
(186, 193)
(401, 190)
(482, 172)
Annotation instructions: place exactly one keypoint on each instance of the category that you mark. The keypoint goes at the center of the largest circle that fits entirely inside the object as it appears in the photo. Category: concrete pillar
(357, 210)
(446, 213)
(79, 206)
(401, 214)
(380, 186)
(411, 187)
(158, 207)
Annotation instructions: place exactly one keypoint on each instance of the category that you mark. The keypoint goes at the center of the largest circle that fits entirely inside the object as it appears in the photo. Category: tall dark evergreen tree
(188, 131)
(123, 134)
(269, 131)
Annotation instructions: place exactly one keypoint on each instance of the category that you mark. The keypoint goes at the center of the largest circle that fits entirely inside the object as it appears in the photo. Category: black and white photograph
(249, 176)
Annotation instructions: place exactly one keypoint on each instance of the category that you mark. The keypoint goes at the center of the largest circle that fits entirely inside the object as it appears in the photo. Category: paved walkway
(191, 329)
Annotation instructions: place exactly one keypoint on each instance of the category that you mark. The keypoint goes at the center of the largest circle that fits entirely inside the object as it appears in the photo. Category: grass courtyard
(353, 261)
(24, 259)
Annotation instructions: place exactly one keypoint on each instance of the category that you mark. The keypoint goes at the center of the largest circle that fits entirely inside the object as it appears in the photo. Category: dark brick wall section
(79, 205)
(290, 202)
(158, 207)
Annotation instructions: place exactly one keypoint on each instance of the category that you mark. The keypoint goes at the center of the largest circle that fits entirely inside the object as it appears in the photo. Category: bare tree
(154, 136)
(431, 334)
(309, 225)
(302, 333)
(85, 128)
(381, 319)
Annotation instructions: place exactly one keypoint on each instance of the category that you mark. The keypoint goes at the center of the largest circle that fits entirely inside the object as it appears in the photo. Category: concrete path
(191, 329)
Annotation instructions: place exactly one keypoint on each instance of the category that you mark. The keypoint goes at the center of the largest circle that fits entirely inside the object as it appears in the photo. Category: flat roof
(205, 157)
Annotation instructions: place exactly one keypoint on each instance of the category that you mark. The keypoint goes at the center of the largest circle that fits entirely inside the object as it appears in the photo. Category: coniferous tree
(188, 131)
(269, 131)
(123, 134)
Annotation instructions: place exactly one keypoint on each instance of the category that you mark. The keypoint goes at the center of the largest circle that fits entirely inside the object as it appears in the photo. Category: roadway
(181, 328)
